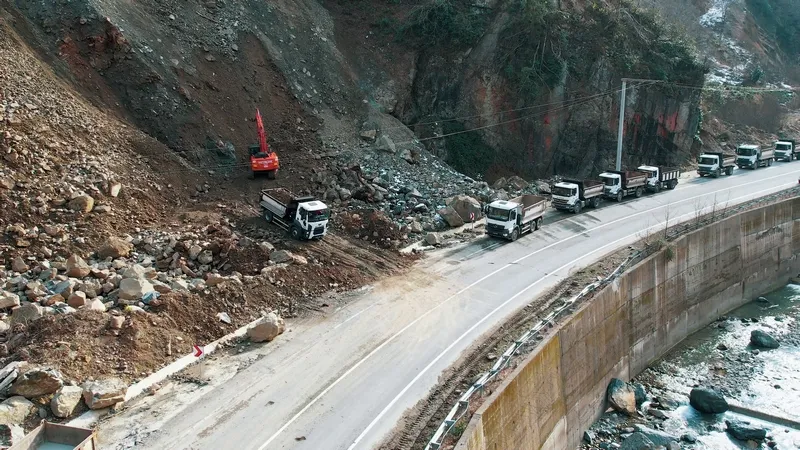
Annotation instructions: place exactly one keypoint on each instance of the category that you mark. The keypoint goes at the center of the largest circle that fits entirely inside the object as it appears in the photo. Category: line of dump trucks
(510, 219)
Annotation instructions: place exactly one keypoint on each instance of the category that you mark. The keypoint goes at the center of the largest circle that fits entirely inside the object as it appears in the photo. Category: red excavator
(262, 158)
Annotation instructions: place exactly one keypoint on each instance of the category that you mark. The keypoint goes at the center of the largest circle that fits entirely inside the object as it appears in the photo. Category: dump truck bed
(53, 436)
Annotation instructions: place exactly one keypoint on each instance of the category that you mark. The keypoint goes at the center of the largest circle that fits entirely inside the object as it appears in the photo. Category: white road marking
(448, 299)
(504, 304)
(354, 316)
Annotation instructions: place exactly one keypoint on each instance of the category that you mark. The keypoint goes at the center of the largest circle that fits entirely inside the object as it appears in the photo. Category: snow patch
(715, 14)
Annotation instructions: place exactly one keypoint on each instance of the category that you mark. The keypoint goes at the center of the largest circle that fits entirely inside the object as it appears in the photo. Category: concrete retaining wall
(559, 391)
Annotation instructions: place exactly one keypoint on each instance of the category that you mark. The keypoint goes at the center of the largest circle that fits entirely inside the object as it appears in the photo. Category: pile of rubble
(34, 392)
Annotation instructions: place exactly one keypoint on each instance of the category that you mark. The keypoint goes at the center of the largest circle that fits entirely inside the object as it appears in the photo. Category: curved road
(343, 381)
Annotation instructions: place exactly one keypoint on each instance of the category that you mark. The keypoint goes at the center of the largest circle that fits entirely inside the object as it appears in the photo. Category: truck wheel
(672, 184)
(729, 170)
(596, 202)
(537, 224)
(769, 162)
(252, 175)
(295, 232)
(577, 208)
(716, 174)
(268, 216)
(271, 174)
(657, 188)
(619, 197)
(638, 192)
(514, 234)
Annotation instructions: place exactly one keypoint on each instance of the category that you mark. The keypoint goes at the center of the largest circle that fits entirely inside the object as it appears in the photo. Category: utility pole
(621, 123)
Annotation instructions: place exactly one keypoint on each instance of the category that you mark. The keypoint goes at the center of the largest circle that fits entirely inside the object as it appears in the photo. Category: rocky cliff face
(493, 87)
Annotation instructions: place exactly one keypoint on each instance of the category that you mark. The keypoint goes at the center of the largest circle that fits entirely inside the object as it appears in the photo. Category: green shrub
(445, 22)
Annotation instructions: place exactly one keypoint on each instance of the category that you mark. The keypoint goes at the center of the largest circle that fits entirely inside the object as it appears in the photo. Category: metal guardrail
(461, 407)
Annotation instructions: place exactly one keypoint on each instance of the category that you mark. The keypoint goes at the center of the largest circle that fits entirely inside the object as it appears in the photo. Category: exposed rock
(501, 183)
(465, 205)
(96, 305)
(82, 203)
(588, 437)
(517, 183)
(689, 438)
(134, 271)
(115, 247)
(194, 251)
(77, 267)
(415, 227)
(640, 392)
(744, 431)
(708, 401)
(10, 434)
(213, 279)
(115, 322)
(14, 410)
(77, 299)
(66, 399)
(26, 313)
(433, 239)
(385, 144)
(114, 188)
(761, 339)
(134, 288)
(8, 300)
(637, 441)
(36, 382)
(205, 257)
(621, 397)
(18, 265)
(655, 436)
(267, 328)
(451, 217)
(285, 256)
(104, 393)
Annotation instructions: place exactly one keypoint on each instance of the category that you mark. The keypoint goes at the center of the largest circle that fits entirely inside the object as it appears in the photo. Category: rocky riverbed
(749, 359)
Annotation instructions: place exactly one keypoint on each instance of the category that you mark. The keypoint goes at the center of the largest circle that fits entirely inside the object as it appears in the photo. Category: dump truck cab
(612, 183)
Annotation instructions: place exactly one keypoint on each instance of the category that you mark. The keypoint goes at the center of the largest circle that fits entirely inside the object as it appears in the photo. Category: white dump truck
(659, 177)
(715, 164)
(511, 219)
(574, 195)
(621, 183)
(786, 150)
(752, 157)
(303, 217)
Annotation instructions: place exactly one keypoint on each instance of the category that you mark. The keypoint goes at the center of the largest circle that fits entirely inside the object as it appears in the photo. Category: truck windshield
(708, 160)
(609, 181)
(497, 214)
(783, 146)
(563, 191)
(318, 215)
(746, 152)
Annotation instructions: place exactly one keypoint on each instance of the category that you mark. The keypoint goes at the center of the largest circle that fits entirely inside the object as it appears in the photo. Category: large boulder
(744, 431)
(103, 393)
(19, 265)
(465, 205)
(8, 300)
(77, 267)
(708, 401)
(14, 410)
(451, 217)
(386, 144)
(287, 257)
(640, 392)
(115, 247)
(433, 239)
(657, 437)
(621, 397)
(134, 288)
(26, 314)
(65, 401)
(267, 328)
(37, 382)
(637, 441)
(82, 203)
(761, 339)
(517, 183)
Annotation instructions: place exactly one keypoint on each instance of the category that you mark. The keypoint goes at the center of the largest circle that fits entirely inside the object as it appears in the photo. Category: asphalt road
(343, 381)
